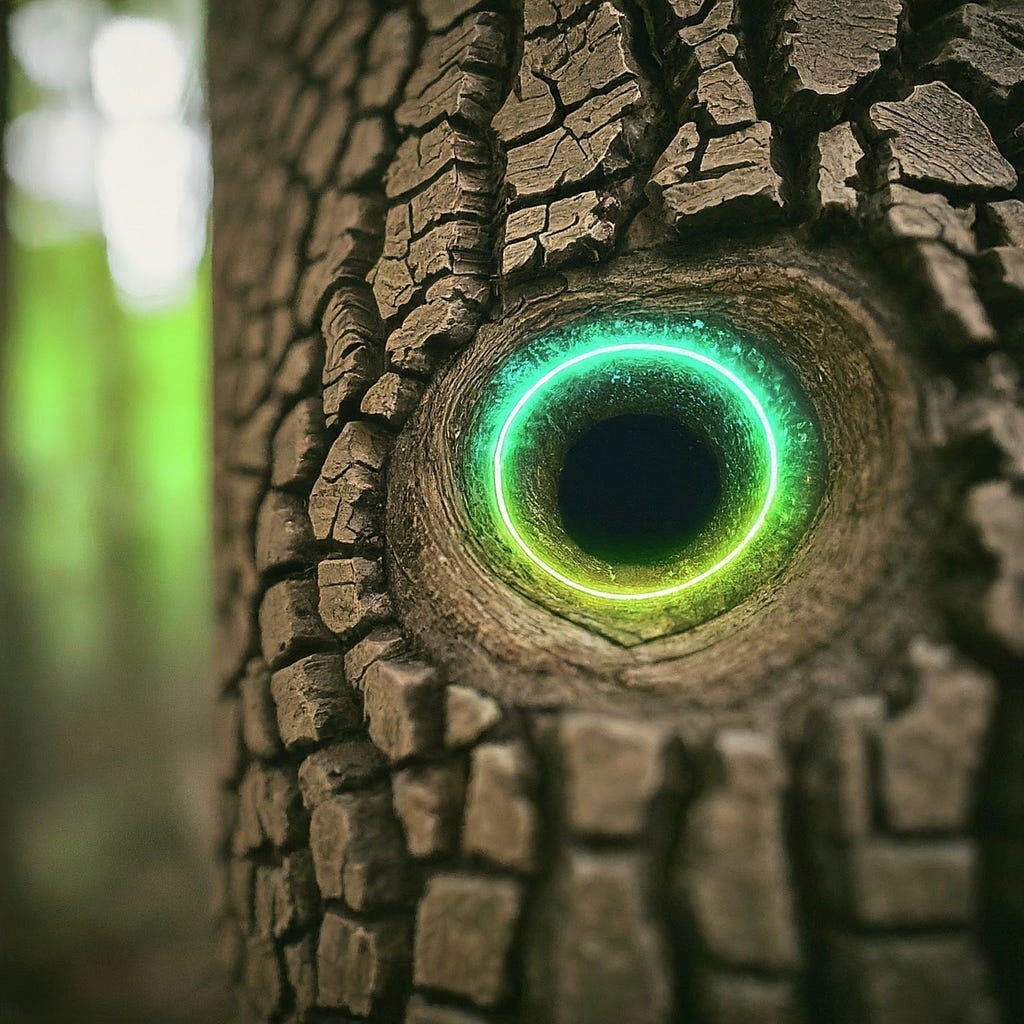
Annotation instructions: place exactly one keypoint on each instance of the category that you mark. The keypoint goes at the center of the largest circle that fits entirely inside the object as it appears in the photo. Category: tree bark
(452, 796)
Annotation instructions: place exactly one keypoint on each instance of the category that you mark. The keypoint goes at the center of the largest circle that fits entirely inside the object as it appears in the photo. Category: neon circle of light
(769, 436)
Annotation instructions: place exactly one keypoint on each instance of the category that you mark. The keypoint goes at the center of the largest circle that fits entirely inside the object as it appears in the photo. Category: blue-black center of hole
(637, 488)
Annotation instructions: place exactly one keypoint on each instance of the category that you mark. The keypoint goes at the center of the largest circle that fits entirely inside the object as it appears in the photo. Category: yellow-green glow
(735, 391)
(672, 351)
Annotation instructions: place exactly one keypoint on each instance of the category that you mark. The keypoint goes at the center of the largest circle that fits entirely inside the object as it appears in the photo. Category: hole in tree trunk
(637, 488)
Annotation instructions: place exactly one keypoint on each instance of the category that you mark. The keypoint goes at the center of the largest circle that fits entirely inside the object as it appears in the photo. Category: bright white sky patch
(139, 69)
(152, 183)
(114, 143)
(50, 153)
(51, 40)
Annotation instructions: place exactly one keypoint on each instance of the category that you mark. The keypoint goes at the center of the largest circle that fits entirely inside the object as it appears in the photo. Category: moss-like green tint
(732, 391)
(106, 420)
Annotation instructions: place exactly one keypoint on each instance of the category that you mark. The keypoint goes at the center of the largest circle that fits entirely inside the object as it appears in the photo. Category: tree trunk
(459, 784)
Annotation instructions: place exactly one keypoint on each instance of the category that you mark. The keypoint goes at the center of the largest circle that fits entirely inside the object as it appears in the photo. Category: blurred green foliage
(106, 419)
(107, 424)
(105, 487)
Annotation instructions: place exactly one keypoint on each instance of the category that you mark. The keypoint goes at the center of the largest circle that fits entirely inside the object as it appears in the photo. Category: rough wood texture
(448, 800)
(512, 642)
(935, 139)
(823, 49)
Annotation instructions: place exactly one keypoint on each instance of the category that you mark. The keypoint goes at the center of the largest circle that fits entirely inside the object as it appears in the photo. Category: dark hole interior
(636, 488)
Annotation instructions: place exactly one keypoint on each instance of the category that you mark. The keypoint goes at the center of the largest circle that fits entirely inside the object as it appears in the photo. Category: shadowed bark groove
(447, 800)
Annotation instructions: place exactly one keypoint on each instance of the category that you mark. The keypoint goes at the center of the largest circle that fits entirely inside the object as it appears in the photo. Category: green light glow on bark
(729, 389)
(640, 350)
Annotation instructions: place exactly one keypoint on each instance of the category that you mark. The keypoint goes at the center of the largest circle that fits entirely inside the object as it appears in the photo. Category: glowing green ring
(769, 437)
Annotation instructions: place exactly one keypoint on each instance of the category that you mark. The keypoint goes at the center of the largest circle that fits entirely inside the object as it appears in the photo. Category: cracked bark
(426, 820)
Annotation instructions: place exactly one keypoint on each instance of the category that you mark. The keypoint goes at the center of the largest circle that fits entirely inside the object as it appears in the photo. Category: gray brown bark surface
(427, 820)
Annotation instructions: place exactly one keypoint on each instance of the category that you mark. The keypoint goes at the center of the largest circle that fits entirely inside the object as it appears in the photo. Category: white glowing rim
(773, 469)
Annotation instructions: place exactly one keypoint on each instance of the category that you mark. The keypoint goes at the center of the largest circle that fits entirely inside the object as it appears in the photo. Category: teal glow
(736, 391)
(535, 389)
